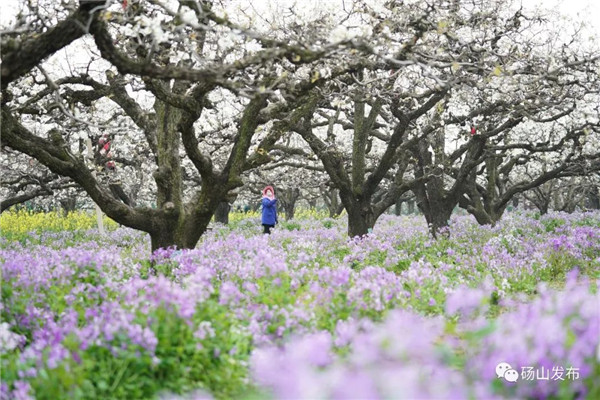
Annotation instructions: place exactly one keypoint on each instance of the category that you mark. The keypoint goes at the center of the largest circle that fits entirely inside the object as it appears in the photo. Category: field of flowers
(511, 311)
(16, 225)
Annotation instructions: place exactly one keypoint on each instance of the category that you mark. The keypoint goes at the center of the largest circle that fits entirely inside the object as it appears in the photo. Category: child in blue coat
(269, 209)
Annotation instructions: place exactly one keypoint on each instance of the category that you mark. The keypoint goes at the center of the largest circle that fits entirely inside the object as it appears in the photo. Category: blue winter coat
(269, 211)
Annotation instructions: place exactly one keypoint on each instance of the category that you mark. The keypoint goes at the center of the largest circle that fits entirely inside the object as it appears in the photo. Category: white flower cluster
(342, 33)
(149, 27)
(8, 339)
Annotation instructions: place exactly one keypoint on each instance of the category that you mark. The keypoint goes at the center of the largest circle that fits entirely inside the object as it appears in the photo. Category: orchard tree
(566, 194)
(25, 181)
(558, 132)
(571, 194)
(438, 112)
(391, 97)
(525, 167)
(361, 127)
(515, 89)
(372, 130)
(170, 68)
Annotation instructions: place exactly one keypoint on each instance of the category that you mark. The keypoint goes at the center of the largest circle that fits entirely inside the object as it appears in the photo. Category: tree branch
(19, 58)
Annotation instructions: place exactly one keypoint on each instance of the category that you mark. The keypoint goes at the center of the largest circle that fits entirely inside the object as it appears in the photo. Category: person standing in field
(269, 209)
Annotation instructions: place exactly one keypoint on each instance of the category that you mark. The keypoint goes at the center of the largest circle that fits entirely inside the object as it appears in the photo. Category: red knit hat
(264, 192)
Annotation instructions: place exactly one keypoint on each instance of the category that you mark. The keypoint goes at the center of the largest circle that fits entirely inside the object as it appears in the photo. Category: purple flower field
(307, 313)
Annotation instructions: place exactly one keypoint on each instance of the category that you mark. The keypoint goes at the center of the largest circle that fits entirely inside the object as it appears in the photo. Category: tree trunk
(541, 200)
(542, 206)
(398, 208)
(222, 213)
(439, 221)
(332, 201)
(119, 193)
(475, 208)
(437, 216)
(288, 199)
(594, 198)
(482, 218)
(487, 209)
(290, 210)
(68, 204)
(165, 238)
(134, 190)
(411, 207)
(361, 217)
(172, 228)
(435, 204)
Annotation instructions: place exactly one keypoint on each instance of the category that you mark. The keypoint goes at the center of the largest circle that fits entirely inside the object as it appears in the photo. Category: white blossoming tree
(194, 80)
(448, 97)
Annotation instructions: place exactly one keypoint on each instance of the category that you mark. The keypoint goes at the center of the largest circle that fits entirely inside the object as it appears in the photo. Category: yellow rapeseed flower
(20, 223)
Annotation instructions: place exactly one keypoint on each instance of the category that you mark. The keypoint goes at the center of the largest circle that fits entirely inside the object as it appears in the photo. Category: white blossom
(340, 34)
(8, 339)
(189, 17)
